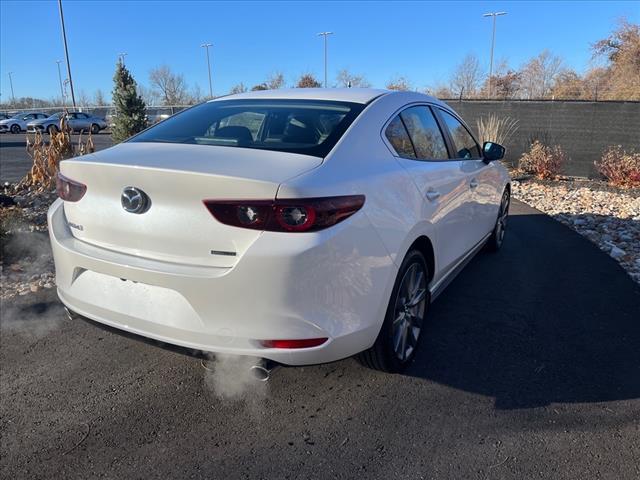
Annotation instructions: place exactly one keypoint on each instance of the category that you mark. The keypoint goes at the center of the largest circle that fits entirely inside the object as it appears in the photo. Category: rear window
(310, 127)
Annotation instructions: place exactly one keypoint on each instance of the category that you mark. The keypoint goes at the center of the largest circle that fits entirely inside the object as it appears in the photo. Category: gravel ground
(608, 217)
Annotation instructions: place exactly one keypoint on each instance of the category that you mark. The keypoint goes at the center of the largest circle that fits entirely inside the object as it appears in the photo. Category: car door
(83, 122)
(482, 178)
(26, 119)
(441, 180)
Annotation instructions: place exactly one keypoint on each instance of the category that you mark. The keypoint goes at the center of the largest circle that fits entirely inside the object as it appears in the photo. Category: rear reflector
(285, 215)
(69, 190)
(298, 343)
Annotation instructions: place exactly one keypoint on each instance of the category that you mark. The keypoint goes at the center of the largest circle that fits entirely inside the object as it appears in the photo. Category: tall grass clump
(496, 129)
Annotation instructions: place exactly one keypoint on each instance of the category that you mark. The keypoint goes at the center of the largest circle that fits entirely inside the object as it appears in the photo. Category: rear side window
(464, 144)
(310, 127)
(425, 133)
(399, 138)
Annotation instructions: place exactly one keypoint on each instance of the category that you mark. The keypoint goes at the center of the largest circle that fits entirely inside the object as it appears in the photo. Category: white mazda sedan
(301, 226)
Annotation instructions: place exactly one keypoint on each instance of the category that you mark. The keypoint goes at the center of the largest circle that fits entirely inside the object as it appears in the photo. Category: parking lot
(15, 162)
(530, 368)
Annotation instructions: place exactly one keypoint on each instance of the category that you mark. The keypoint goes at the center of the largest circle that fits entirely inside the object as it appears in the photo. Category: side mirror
(492, 151)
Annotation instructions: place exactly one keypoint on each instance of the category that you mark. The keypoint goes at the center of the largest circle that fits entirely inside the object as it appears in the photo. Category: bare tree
(83, 99)
(98, 98)
(149, 96)
(539, 75)
(307, 80)
(439, 91)
(275, 81)
(568, 85)
(622, 50)
(170, 87)
(467, 76)
(399, 83)
(195, 95)
(347, 79)
(239, 88)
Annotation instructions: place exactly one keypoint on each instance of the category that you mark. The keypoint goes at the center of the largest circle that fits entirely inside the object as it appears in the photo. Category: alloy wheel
(503, 216)
(409, 311)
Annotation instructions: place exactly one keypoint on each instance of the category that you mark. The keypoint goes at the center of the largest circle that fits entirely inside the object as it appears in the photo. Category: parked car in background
(78, 121)
(18, 123)
(301, 226)
(4, 116)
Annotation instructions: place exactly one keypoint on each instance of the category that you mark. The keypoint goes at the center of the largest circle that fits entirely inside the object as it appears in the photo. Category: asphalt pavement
(15, 162)
(529, 367)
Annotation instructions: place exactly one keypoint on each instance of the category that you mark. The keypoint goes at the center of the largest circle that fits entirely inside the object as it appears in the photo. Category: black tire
(95, 128)
(497, 235)
(383, 354)
(15, 128)
(52, 129)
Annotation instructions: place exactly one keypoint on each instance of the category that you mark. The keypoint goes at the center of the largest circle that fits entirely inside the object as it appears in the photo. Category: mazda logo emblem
(134, 200)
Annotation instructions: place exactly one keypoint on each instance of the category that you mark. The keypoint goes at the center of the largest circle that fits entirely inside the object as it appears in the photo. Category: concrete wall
(582, 129)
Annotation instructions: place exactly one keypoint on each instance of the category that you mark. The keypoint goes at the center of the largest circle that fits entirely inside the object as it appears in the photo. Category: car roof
(355, 95)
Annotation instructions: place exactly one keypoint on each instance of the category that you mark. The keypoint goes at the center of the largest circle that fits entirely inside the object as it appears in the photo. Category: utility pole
(493, 41)
(121, 56)
(13, 98)
(66, 53)
(58, 62)
(325, 35)
(206, 47)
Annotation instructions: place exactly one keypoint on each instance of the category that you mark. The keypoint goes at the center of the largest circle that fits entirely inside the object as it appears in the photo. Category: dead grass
(46, 157)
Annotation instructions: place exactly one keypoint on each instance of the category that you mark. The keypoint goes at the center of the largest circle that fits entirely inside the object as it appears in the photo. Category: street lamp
(121, 56)
(13, 98)
(206, 47)
(60, 80)
(66, 53)
(325, 35)
(493, 41)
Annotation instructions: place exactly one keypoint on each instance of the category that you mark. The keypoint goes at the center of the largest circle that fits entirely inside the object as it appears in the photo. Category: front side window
(310, 127)
(464, 144)
(399, 138)
(425, 133)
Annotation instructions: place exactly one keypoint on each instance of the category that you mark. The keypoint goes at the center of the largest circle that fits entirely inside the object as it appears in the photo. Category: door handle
(473, 183)
(432, 195)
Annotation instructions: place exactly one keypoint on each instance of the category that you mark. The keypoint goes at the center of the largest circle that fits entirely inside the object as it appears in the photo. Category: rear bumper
(332, 284)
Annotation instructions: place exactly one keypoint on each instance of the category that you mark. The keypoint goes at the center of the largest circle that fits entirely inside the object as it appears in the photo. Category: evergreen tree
(130, 114)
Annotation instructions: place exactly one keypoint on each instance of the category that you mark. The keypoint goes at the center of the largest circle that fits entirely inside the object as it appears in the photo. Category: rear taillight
(297, 343)
(294, 215)
(69, 190)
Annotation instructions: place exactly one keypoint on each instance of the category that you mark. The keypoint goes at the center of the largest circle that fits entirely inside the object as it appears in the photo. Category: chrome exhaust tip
(260, 373)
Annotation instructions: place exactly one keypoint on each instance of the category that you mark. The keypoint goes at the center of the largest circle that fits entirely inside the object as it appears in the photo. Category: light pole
(493, 41)
(325, 35)
(206, 47)
(13, 98)
(66, 53)
(121, 56)
(58, 62)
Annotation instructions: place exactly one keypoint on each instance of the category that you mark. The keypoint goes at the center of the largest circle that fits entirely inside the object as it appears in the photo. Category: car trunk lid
(176, 227)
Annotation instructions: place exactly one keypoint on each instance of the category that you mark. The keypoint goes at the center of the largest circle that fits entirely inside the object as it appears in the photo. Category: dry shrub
(47, 156)
(496, 129)
(542, 161)
(619, 167)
